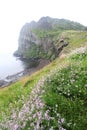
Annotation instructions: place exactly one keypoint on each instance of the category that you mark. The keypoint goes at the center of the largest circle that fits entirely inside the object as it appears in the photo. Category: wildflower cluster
(30, 115)
(57, 102)
(66, 94)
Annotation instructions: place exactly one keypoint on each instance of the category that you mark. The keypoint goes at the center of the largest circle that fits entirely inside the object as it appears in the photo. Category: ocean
(9, 65)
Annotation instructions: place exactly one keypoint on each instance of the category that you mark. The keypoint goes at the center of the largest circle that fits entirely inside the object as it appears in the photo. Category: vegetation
(46, 31)
(52, 98)
(66, 95)
(76, 39)
(16, 94)
(35, 51)
(40, 33)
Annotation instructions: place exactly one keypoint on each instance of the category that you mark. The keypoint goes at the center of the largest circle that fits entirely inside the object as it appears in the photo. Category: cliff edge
(42, 40)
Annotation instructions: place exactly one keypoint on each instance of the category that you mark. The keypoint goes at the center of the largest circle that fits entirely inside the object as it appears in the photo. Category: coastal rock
(3, 83)
(37, 40)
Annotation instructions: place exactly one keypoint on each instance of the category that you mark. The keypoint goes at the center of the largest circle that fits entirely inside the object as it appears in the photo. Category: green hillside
(53, 98)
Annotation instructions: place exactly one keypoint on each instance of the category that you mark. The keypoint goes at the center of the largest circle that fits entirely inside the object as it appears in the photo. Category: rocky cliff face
(37, 39)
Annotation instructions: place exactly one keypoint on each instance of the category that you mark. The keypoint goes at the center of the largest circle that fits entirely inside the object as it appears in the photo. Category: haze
(15, 13)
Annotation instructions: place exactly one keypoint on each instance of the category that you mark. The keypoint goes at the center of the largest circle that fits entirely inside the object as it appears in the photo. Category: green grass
(76, 39)
(40, 33)
(66, 94)
(35, 51)
(66, 88)
(16, 94)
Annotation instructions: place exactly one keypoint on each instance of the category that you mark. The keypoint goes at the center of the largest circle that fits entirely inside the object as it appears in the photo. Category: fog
(15, 13)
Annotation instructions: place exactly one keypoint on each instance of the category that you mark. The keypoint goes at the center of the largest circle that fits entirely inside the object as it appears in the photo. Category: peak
(44, 23)
(45, 18)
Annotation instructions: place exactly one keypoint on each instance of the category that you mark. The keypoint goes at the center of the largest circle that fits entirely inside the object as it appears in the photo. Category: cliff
(38, 40)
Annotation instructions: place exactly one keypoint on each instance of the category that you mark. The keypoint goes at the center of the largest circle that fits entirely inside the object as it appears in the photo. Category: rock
(61, 40)
(3, 83)
(37, 39)
(17, 54)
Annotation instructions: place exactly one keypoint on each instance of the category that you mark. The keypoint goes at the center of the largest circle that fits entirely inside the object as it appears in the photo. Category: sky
(15, 13)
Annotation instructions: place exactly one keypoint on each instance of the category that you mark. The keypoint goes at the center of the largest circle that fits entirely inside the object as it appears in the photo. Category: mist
(15, 13)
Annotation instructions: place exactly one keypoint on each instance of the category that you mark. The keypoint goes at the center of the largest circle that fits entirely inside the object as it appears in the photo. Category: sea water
(9, 65)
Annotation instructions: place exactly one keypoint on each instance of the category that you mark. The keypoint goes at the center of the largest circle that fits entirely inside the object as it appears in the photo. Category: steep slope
(52, 98)
(58, 100)
(37, 39)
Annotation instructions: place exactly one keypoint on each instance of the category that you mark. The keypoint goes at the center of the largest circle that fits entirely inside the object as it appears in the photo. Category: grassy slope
(66, 94)
(75, 38)
(16, 94)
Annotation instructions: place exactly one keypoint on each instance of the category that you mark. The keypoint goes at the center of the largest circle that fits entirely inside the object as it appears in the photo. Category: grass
(76, 39)
(66, 94)
(40, 33)
(16, 94)
(65, 88)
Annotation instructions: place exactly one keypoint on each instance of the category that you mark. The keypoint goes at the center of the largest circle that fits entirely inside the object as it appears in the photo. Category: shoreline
(27, 72)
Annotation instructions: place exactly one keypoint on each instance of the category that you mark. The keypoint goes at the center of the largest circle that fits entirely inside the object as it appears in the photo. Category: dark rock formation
(3, 83)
